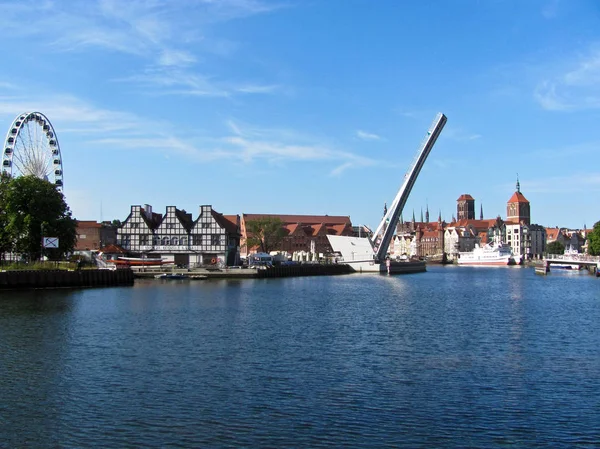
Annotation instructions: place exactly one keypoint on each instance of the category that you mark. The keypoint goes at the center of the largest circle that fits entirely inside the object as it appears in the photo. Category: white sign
(50, 242)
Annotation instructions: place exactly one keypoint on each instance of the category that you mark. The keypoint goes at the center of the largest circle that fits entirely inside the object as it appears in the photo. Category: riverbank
(31, 279)
(249, 273)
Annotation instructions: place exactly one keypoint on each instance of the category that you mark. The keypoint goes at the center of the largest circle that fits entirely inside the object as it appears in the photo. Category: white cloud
(550, 9)
(164, 37)
(179, 58)
(340, 169)
(256, 88)
(363, 135)
(577, 88)
(572, 183)
(459, 134)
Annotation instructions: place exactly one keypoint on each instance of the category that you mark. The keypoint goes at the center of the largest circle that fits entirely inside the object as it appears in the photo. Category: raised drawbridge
(364, 254)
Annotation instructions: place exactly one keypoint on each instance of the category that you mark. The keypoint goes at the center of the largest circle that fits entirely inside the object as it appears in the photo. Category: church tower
(517, 207)
(465, 207)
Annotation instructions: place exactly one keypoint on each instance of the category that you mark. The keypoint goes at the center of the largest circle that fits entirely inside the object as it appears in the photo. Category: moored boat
(489, 254)
(170, 276)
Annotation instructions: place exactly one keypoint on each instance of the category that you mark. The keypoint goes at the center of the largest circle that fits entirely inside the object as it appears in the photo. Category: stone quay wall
(61, 279)
(303, 270)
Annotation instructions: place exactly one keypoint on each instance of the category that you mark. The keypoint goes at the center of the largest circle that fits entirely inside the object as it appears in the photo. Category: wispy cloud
(576, 88)
(459, 134)
(573, 183)
(550, 9)
(282, 146)
(164, 37)
(7, 86)
(178, 58)
(364, 135)
(119, 130)
(256, 88)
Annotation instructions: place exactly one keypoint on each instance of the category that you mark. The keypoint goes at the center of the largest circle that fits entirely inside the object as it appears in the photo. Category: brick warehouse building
(303, 232)
(92, 235)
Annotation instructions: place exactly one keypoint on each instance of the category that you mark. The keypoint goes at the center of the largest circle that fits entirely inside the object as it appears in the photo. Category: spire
(401, 218)
(481, 212)
(421, 215)
(384, 209)
(518, 184)
(427, 214)
(440, 216)
(413, 220)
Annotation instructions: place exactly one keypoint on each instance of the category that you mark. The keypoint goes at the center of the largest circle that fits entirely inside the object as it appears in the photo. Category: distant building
(518, 208)
(211, 239)
(306, 233)
(362, 231)
(465, 207)
(526, 239)
(92, 235)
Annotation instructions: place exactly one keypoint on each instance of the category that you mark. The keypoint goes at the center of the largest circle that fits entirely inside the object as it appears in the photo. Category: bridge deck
(572, 259)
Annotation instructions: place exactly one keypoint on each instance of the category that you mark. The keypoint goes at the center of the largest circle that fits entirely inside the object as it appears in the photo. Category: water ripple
(452, 358)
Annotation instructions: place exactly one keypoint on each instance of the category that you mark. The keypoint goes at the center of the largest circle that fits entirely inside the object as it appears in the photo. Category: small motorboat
(170, 276)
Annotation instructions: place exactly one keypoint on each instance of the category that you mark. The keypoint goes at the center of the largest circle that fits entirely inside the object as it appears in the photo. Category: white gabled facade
(136, 232)
(211, 239)
(208, 239)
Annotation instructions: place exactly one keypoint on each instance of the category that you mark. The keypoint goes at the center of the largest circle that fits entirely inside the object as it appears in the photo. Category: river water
(455, 357)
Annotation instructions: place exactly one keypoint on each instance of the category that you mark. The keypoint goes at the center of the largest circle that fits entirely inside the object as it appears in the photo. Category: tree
(266, 233)
(555, 247)
(34, 208)
(594, 240)
(6, 241)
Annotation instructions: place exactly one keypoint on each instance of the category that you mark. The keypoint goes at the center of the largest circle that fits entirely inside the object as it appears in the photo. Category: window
(197, 240)
(165, 241)
(205, 225)
(144, 239)
(215, 240)
(174, 241)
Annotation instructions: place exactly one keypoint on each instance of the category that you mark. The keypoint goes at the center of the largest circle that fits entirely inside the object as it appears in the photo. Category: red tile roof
(304, 219)
(552, 234)
(226, 222)
(477, 224)
(88, 224)
(518, 198)
(465, 196)
(113, 249)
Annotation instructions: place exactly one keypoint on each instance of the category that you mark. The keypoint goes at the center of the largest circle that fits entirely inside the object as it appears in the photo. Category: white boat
(487, 255)
(170, 276)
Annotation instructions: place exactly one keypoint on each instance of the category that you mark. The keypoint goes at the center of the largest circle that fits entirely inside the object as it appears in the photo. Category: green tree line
(594, 240)
(31, 208)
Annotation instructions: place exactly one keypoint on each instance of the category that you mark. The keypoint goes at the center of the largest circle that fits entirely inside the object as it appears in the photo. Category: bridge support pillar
(542, 268)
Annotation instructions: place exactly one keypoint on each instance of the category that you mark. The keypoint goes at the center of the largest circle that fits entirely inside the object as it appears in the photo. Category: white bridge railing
(573, 258)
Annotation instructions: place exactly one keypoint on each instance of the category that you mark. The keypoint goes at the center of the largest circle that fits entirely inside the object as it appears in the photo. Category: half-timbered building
(211, 239)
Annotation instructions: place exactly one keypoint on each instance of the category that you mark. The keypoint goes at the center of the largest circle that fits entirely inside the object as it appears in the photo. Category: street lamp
(42, 244)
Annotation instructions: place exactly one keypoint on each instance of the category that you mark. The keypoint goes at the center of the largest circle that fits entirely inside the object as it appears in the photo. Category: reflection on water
(453, 357)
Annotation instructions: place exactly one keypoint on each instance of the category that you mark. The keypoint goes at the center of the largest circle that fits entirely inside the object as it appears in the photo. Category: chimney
(148, 210)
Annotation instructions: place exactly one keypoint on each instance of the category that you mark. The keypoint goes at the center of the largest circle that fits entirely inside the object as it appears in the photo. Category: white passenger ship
(490, 254)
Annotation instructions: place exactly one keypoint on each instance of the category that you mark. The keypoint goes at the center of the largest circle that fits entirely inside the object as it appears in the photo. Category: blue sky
(312, 106)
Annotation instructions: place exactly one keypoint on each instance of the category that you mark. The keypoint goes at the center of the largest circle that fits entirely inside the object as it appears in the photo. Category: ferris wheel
(31, 148)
